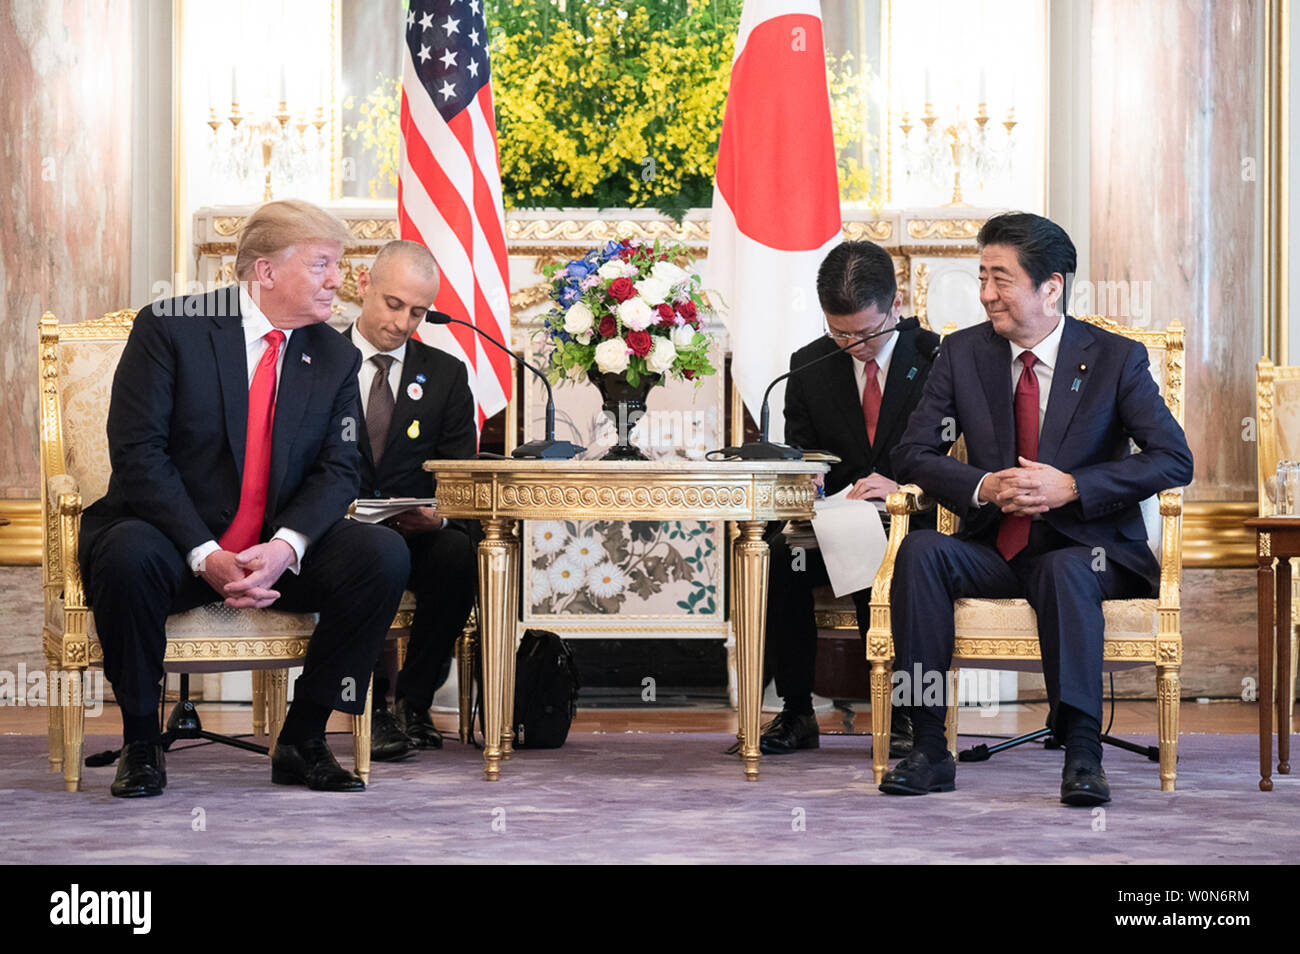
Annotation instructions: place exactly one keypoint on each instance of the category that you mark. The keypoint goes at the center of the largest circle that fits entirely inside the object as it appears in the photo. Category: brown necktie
(1013, 532)
(379, 407)
(871, 400)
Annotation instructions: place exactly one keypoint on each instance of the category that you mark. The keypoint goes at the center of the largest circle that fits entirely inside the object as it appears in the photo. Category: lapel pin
(911, 373)
(306, 359)
(1075, 385)
(420, 378)
(414, 391)
(414, 430)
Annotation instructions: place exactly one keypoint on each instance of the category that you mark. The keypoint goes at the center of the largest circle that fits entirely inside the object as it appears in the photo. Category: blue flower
(579, 268)
(611, 250)
(569, 295)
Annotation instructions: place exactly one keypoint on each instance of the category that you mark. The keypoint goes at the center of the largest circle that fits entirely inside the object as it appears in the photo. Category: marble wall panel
(1176, 106)
(65, 128)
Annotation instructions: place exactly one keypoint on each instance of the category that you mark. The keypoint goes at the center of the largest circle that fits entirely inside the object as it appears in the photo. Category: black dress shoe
(789, 732)
(418, 725)
(917, 775)
(311, 763)
(1084, 783)
(388, 743)
(900, 734)
(141, 771)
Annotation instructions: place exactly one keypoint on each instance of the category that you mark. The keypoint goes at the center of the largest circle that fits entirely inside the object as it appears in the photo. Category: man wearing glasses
(854, 405)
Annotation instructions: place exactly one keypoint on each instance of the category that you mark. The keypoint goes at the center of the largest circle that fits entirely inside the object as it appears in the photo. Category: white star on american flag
(410, 19)
(424, 53)
(447, 91)
(426, 21)
(473, 68)
(451, 26)
(473, 37)
(473, 5)
(448, 58)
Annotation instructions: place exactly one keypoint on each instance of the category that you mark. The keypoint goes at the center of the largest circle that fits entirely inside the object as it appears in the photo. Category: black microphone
(763, 449)
(548, 449)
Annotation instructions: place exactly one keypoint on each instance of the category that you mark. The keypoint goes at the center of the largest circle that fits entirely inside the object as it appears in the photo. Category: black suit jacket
(823, 406)
(444, 428)
(1086, 433)
(178, 420)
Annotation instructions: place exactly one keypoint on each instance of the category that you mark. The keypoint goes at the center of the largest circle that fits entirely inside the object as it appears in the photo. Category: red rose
(608, 328)
(665, 314)
(639, 342)
(622, 289)
(688, 373)
(625, 243)
(686, 309)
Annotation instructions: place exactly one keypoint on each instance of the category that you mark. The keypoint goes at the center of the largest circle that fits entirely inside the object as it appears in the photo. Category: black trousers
(353, 576)
(791, 648)
(444, 579)
(1064, 582)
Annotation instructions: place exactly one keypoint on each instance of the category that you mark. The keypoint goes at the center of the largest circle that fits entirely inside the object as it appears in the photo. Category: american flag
(449, 185)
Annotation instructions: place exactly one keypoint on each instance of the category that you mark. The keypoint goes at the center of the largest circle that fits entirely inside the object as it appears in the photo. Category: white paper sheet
(852, 540)
(379, 509)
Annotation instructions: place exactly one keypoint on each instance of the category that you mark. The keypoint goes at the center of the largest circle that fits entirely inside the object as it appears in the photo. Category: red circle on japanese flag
(776, 158)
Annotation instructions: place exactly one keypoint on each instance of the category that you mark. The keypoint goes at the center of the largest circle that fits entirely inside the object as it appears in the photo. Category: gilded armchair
(1002, 633)
(1277, 416)
(76, 365)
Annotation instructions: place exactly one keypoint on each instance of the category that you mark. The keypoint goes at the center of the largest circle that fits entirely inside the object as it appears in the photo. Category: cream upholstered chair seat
(1002, 633)
(77, 362)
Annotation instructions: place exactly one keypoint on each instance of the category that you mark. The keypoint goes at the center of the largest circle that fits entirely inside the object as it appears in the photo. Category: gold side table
(1276, 539)
(499, 493)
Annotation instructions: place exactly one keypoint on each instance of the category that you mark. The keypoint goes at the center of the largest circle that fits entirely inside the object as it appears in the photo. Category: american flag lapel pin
(306, 359)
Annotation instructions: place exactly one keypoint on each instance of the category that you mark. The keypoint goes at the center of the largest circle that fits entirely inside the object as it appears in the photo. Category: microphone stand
(546, 449)
(763, 449)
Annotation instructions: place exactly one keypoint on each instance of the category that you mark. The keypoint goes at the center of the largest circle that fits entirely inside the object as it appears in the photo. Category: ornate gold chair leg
(361, 735)
(881, 718)
(53, 679)
(402, 643)
(259, 703)
(1167, 703)
(74, 727)
(950, 721)
(498, 560)
(466, 650)
(277, 701)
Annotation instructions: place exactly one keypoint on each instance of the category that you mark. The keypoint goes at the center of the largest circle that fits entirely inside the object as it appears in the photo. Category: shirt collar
(882, 356)
(254, 320)
(1046, 350)
(368, 350)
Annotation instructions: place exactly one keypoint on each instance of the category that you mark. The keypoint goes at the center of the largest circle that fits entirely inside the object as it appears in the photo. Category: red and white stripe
(449, 200)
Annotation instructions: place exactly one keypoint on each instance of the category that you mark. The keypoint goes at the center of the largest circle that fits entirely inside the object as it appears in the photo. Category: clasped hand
(1032, 488)
(245, 578)
(872, 487)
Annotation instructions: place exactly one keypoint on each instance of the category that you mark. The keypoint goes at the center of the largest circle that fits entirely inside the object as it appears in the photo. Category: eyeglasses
(845, 337)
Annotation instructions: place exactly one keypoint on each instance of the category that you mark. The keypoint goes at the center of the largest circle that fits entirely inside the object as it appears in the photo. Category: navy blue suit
(177, 426)
(1102, 396)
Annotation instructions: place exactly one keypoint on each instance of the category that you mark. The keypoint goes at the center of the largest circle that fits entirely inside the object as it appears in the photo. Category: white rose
(614, 268)
(611, 356)
(661, 356)
(668, 272)
(578, 319)
(684, 336)
(653, 290)
(635, 314)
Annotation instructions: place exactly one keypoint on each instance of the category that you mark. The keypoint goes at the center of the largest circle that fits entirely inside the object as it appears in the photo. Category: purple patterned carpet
(644, 798)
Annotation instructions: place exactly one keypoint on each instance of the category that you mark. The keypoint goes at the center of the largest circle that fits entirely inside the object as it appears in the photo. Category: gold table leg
(750, 562)
(498, 564)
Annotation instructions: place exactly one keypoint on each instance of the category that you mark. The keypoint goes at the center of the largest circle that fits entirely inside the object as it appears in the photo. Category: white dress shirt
(882, 366)
(366, 377)
(1046, 352)
(256, 325)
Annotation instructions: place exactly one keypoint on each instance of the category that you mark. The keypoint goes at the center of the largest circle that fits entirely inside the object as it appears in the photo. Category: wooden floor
(1225, 717)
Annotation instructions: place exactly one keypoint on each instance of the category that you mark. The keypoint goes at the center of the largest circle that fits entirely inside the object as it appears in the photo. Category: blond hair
(276, 226)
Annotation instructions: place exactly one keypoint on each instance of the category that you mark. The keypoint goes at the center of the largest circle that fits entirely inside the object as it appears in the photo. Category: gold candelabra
(268, 131)
(965, 145)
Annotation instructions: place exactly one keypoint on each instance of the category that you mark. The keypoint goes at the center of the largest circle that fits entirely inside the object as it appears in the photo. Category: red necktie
(871, 401)
(1013, 533)
(247, 526)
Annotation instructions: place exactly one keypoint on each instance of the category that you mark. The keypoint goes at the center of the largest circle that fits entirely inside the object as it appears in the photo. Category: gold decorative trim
(227, 224)
(922, 294)
(836, 619)
(530, 296)
(1026, 647)
(604, 230)
(1275, 181)
(878, 230)
(373, 229)
(938, 251)
(944, 228)
(20, 541)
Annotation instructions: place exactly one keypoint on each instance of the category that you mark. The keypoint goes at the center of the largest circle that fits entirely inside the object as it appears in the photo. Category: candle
(927, 85)
(234, 86)
(983, 85)
(283, 97)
